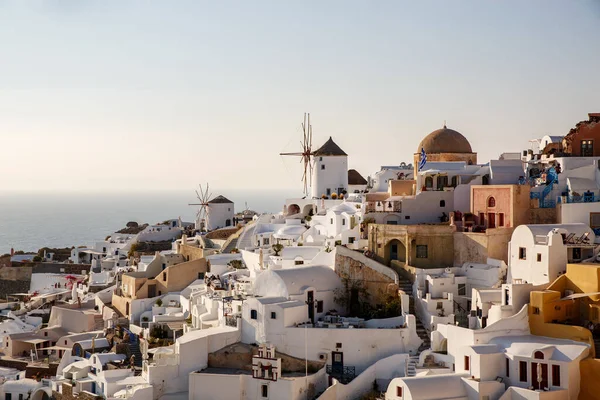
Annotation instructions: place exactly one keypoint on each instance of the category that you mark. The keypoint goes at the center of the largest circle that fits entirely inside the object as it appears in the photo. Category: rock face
(239, 356)
(379, 286)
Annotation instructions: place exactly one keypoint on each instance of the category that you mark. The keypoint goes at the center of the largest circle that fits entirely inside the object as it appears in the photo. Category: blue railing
(585, 198)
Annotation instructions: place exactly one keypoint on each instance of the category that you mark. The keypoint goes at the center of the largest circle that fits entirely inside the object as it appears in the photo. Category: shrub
(37, 259)
(277, 248)
(159, 302)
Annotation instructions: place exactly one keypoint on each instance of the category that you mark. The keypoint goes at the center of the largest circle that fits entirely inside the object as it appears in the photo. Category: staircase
(411, 366)
(406, 286)
(230, 246)
(134, 349)
(98, 322)
(597, 346)
(245, 238)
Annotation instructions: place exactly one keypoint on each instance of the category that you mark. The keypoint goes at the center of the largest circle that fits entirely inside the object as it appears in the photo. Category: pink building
(500, 206)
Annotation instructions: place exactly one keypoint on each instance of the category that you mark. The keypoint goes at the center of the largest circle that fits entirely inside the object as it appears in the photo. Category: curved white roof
(344, 207)
(98, 343)
(293, 281)
(290, 232)
(22, 385)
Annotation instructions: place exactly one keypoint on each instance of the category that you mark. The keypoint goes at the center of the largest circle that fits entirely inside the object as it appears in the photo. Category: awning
(577, 296)
(55, 348)
(33, 341)
(175, 326)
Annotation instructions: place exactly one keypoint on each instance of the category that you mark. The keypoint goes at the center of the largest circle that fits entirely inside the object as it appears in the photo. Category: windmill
(306, 153)
(202, 217)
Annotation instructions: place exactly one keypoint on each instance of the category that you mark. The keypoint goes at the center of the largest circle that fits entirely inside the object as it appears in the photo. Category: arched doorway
(395, 251)
(293, 209)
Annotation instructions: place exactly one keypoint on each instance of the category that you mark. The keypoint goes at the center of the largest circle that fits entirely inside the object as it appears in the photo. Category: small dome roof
(445, 141)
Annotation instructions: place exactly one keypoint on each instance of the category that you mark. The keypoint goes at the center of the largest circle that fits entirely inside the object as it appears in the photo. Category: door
(535, 379)
(337, 362)
(491, 220)
(394, 251)
(151, 291)
(310, 300)
(94, 387)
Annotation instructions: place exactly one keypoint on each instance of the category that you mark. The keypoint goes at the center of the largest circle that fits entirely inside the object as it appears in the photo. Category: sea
(32, 220)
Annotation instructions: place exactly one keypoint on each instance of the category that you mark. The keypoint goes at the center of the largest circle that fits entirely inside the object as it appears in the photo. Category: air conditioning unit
(323, 356)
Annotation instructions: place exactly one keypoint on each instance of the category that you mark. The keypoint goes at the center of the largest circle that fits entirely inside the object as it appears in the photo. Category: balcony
(384, 206)
(343, 374)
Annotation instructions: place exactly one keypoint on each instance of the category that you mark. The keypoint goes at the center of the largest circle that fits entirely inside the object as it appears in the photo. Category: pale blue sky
(143, 95)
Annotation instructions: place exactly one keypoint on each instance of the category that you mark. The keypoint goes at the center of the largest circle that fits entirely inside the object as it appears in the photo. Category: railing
(343, 374)
(585, 198)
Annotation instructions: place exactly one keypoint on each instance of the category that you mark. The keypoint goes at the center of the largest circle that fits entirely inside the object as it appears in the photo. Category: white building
(220, 213)
(485, 363)
(538, 254)
(330, 171)
(356, 182)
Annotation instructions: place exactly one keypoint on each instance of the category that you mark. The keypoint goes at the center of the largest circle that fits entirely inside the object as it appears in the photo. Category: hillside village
(441, 277)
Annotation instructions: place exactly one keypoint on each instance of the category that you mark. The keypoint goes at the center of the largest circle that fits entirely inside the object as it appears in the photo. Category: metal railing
(342, 373)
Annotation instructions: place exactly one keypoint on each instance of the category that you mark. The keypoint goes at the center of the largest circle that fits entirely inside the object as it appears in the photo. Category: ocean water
(30, 221)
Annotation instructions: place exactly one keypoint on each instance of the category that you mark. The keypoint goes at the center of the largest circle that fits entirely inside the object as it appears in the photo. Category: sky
(156, 95)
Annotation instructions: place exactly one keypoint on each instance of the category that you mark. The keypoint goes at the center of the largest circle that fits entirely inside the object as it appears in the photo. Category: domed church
(445, 145)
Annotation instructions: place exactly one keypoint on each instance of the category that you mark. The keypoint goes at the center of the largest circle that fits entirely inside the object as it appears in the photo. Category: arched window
(491, 202)
(538, 355)
(442, 203)
(429, 182)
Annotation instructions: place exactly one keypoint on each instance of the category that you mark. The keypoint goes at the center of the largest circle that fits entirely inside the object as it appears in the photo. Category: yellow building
(566, 309)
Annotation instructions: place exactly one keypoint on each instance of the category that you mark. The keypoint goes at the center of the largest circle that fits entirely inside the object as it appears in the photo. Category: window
(398, 391)
(491, 202)
(538, 355)
(500, 219)
(522, 253)
(467, 363)
(65, 342)
(338, 345)
(507, 368)
(556, 375)
(320, 158)
(351, 239)
(319, 306)
(539, 257)
(299, 262)
(273, 315)
(594, 220)
(523, 371)
(265, 241)
(577, 253)
(587, 148)
(46, 333)
(343, 221)
(264, 391)
(8, 396)
(253, 314)
(322, 166)
(328, 191)
(536, 310)
(20, 396)
(331, 221)
(442, 203)
(462, 289)
(164, 276)
(429, 182)
(440, 305)
(407, 217)
(421, 251)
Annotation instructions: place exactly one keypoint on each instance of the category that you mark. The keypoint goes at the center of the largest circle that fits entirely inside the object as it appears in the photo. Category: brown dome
(445, 141)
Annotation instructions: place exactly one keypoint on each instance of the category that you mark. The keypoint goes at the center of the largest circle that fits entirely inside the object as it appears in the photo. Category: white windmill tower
(202, 215)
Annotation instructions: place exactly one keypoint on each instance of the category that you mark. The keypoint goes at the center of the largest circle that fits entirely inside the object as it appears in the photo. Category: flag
(423, 159)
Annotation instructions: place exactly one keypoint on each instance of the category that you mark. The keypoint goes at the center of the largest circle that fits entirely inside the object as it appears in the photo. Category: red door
(491, 220)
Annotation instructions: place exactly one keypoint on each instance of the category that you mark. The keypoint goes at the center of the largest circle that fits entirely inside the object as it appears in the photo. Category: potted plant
(159, 303)
(277, 247)
(334, 196)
